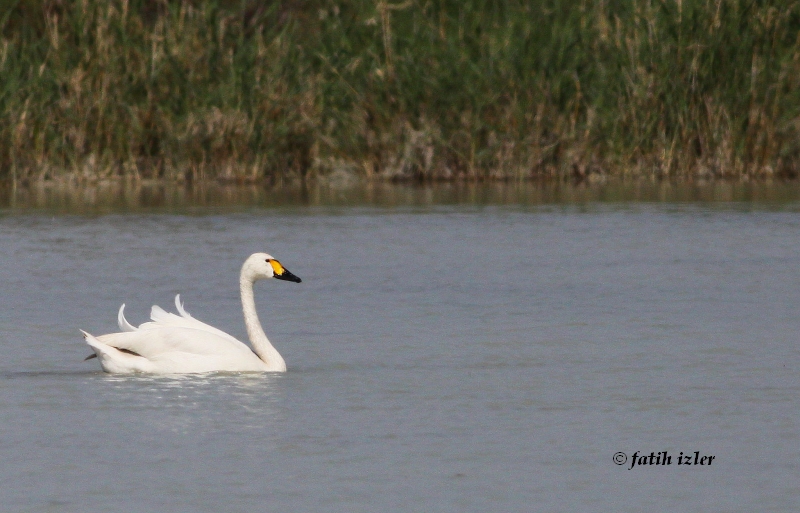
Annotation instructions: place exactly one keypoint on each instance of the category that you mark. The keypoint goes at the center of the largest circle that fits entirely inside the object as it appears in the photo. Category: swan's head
(260, 266)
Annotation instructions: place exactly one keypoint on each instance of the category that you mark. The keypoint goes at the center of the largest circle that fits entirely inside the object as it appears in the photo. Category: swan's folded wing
(154, 343)
(123, 323)
(179, 307)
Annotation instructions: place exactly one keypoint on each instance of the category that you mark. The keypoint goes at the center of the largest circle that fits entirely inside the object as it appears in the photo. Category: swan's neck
(258, 339)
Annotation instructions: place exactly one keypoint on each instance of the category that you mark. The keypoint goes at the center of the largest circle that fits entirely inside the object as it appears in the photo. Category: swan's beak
(286, 275)
(280, 272)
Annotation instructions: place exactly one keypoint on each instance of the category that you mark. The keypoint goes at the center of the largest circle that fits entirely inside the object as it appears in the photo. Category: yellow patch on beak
(277, 268)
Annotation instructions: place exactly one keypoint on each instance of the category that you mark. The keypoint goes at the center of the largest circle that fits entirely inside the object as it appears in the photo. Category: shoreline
(111, 196)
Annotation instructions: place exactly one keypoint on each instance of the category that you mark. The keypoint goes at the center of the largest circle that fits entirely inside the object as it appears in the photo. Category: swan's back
(160, 318)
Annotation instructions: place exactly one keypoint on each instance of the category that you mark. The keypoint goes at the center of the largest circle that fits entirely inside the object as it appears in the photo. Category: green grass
(427, 90)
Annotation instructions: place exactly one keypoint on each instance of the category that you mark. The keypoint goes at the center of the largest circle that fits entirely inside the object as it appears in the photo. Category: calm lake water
(445, 355)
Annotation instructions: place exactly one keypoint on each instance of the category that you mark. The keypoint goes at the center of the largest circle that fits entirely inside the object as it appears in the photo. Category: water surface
(442, 358)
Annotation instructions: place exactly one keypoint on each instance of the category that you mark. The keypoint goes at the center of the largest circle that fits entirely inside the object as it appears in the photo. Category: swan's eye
(277, 268)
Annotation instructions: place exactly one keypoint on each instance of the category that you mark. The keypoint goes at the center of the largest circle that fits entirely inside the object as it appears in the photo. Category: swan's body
(180, 344)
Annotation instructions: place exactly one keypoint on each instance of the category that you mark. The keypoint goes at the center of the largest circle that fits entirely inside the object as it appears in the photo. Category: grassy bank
(249, 90)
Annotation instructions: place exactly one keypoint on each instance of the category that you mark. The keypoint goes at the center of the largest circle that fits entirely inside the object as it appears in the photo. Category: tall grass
(419, 89)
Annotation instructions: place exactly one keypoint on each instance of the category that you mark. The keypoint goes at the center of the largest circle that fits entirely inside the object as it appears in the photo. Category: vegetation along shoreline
(247, 91)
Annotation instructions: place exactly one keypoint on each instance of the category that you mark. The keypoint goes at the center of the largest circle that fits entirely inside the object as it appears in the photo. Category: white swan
(172, 344)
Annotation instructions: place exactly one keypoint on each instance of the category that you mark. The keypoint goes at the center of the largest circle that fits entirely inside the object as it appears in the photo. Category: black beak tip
(287, 276)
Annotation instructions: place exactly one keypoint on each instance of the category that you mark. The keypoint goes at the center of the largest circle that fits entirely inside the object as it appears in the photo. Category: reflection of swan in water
(172, 344)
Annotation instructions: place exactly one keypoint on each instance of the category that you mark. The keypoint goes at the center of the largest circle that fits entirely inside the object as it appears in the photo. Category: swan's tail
(115, 360)
(98, 347)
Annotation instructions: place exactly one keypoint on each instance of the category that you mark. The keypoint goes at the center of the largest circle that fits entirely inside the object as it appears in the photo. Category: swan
(180, 344)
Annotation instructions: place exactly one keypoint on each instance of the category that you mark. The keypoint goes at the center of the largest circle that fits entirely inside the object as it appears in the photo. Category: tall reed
(417, 89)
